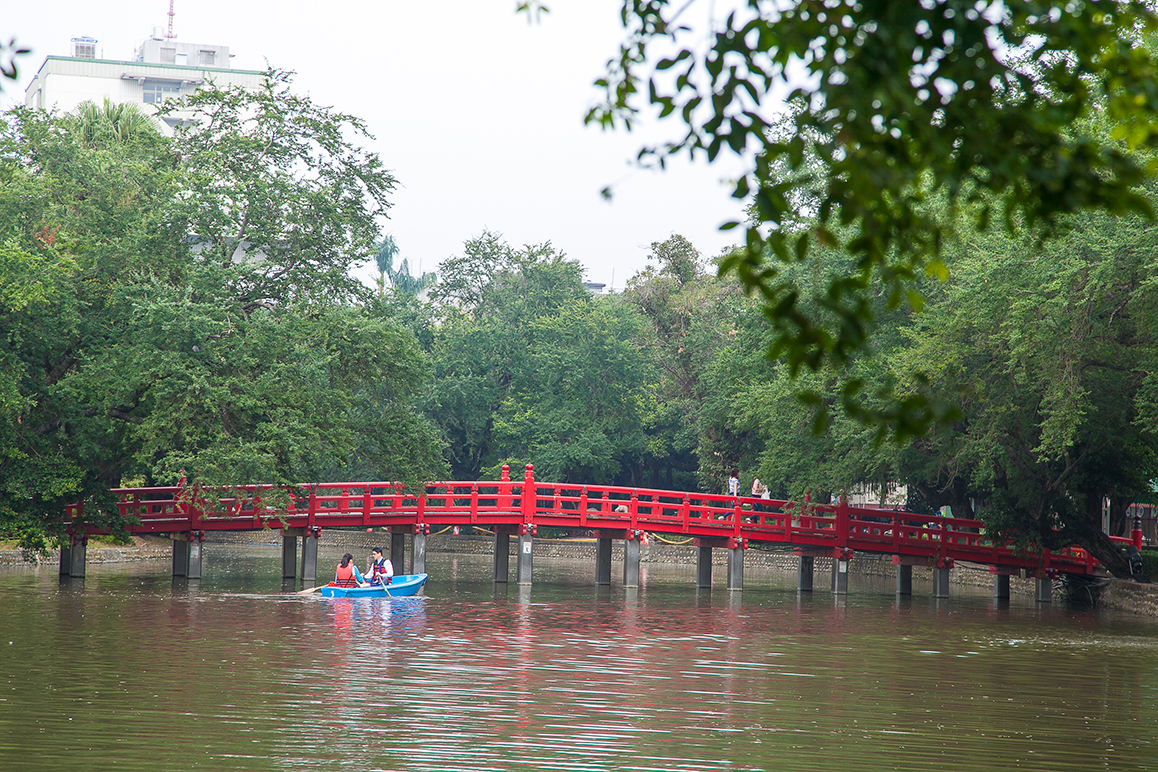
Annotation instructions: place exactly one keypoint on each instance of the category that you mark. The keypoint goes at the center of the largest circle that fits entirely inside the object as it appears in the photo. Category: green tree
(899, 102)
(691, 317)
(531, 368)
(576, 406)
(185, 305)
(110, 123)
(400, 278)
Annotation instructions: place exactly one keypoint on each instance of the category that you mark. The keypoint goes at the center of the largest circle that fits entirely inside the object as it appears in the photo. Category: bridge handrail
(524, 502)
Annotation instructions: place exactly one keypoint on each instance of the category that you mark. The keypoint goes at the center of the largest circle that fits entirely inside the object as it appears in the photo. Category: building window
(156, 93)
(208, 58)
(168, 55)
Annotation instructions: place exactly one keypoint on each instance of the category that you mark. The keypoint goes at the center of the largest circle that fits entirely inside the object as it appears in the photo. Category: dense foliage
(893, 104)
(184, 306)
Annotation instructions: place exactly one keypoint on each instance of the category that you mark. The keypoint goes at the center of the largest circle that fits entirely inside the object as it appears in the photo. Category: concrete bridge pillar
(736, 567)
(1001, 587)
(502, 557)
(704, 566)
(193, 566)
(180, 554)
(72, 556)
(1001, 581)
(523, 570)
(941, 581)
(840, 575)
(804, 573)
(1043, 586)
(418, 551)
(66, 558)
(631, 558)
(602, 561)
(289, 555)
(904, 564)
(398, 552)
(904, 580)
(310, 556)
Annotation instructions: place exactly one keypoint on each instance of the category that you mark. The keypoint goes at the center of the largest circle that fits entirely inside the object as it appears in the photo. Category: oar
(308, 590)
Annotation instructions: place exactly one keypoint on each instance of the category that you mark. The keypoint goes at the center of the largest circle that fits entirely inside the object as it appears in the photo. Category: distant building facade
(164, 69)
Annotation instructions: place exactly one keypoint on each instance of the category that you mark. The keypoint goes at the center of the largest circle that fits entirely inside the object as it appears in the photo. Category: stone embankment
(140, 550)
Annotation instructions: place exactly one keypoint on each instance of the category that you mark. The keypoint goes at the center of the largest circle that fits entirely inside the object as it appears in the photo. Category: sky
(478, 113)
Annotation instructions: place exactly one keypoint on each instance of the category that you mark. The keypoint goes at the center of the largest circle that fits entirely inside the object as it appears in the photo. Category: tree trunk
(1118, 507)
(1109, 554)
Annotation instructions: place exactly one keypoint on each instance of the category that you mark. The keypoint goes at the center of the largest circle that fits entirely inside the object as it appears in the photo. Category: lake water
(129, 670)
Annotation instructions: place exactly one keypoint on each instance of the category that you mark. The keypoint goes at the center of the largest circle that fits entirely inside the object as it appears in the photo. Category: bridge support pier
(1001, 581)
(289, 555)
(525, 554)
(736, 568)
(398, 550)
(72, 556)
(418, 552)
(310, 558)
(1001, 587)
(631, 557)
(502, 557)
(941, 582)
(703, 565)
(180, 554)
(193, 567)
(840, 576)
(804, 573)
(904, 580)
(602, 561)
(1043, 589)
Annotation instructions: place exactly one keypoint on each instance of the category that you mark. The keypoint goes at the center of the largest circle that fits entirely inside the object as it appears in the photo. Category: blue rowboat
(404, 584)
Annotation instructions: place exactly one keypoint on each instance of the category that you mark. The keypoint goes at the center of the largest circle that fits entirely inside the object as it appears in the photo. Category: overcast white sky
(478, 113)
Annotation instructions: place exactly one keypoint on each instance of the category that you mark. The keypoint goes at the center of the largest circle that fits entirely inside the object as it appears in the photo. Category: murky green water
(132, 672)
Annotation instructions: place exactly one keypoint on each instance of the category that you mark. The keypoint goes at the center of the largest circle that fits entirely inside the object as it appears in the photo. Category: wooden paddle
(308, 590)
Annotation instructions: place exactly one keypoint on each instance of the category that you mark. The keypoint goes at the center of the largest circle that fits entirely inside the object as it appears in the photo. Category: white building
(164, 69)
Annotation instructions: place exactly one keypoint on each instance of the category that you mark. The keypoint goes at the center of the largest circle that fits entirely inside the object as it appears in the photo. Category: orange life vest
(344, 577)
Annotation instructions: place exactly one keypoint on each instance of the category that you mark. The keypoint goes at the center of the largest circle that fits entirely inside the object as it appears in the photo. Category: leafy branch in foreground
(898, 102)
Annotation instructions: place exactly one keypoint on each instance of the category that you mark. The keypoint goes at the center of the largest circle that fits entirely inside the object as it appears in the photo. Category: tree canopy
(185, 306)
(890, 105)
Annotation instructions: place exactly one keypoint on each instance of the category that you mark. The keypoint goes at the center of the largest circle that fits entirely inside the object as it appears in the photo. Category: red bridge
(519, 507)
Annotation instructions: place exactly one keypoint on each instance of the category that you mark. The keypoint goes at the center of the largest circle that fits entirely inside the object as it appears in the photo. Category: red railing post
(367, 505)
(687, 511)
(313, 510)
(633, 508)
(842, 517)
(529, 502)
(1136, 534)
(583, 507)
(505, 497)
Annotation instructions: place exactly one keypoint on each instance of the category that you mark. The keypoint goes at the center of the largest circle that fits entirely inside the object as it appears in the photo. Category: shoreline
(1115, 594)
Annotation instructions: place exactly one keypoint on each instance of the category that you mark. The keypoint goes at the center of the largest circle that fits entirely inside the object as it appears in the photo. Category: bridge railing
(620, 508)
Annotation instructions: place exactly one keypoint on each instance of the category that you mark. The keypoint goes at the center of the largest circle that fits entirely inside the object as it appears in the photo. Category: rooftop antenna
(169, 35)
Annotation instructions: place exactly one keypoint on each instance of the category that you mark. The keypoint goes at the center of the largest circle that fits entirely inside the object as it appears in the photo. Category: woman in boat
(347, 574)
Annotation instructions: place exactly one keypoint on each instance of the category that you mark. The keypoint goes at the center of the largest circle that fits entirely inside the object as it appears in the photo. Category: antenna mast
(170, 34)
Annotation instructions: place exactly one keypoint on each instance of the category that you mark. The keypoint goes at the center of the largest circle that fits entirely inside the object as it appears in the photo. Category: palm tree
(400, 278)
(118, 124)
